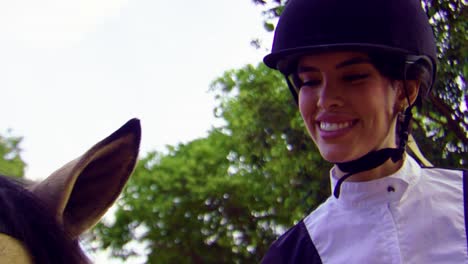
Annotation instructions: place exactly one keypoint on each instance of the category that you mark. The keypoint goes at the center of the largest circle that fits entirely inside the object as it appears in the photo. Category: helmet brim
(283, 59)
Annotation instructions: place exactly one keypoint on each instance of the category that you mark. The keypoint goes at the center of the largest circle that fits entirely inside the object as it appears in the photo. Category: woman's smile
(329, 127)
(333, 130)
(332, 126)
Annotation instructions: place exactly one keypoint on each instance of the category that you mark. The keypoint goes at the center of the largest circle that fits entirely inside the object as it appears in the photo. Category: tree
(226, 197)
(444, 115)
(11, 163)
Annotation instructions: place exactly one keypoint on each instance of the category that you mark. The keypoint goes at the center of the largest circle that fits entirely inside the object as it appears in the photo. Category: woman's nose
(329, 95)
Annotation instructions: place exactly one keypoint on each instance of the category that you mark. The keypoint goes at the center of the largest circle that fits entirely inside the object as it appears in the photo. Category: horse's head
(77, 195)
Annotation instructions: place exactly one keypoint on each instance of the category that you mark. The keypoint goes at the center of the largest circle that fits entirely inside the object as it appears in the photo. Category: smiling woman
(356, 69)
(349, 108)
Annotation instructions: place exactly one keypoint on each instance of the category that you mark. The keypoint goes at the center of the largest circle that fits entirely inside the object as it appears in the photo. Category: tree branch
(457, 126)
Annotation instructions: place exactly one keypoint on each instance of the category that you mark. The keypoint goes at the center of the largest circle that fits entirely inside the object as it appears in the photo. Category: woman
(356, 69)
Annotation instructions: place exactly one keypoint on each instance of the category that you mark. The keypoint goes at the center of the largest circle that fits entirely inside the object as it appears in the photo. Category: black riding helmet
(397, 30)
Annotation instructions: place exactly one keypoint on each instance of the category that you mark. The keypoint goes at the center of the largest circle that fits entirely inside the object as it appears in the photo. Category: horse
(40, 222)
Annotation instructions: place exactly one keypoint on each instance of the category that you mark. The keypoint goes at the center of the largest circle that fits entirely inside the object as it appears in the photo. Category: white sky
(72, 72)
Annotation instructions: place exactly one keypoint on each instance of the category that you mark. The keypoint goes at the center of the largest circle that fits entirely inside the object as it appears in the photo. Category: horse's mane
(24, 217)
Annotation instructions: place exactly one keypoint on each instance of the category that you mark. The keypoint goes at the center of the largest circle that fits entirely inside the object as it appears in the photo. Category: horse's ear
(80, 192)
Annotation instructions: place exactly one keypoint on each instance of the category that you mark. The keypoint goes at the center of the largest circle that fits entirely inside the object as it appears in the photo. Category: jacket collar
(389, 189)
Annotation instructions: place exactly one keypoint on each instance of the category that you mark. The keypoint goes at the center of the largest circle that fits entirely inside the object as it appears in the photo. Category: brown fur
(79, 193)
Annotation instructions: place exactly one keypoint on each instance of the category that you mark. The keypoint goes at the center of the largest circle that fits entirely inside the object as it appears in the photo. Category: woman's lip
(335, 129)
(334, 118)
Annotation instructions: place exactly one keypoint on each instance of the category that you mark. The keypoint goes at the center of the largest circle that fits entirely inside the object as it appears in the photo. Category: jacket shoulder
(294, 246)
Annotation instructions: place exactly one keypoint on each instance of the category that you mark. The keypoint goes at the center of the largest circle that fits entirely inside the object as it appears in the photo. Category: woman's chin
(338, 156)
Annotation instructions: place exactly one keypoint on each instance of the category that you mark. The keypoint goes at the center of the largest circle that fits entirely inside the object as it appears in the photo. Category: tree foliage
(226, 197)
(11, 163)
(444, 115)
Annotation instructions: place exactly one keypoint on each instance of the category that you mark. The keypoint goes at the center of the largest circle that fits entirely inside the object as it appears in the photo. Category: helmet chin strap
(376, 158)
(367, 162)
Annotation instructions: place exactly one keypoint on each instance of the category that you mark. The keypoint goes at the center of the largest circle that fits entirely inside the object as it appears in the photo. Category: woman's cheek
(307, 101)
(307, 108)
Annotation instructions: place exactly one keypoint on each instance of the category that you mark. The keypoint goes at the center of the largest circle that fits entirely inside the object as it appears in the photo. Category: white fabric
(413, 216)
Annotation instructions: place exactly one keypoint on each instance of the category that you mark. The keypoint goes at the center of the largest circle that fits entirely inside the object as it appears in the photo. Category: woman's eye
(355, 77)
(311, 83)
(300, 82)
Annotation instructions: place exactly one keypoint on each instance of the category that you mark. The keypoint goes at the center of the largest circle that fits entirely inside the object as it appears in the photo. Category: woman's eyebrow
(305, 68)
(353, 61)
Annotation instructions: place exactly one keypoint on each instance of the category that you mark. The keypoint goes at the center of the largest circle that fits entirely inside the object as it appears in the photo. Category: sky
(72, 72)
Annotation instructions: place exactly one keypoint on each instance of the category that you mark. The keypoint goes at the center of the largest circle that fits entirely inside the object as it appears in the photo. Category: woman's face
(348, 107)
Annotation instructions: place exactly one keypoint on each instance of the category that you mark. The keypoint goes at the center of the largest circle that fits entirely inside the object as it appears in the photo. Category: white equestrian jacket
(417, 215)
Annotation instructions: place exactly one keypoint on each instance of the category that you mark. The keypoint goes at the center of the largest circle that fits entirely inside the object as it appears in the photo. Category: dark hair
(398, 68)
(24, 217)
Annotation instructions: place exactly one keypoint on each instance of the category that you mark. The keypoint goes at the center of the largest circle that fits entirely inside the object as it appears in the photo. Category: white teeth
(334, 126)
